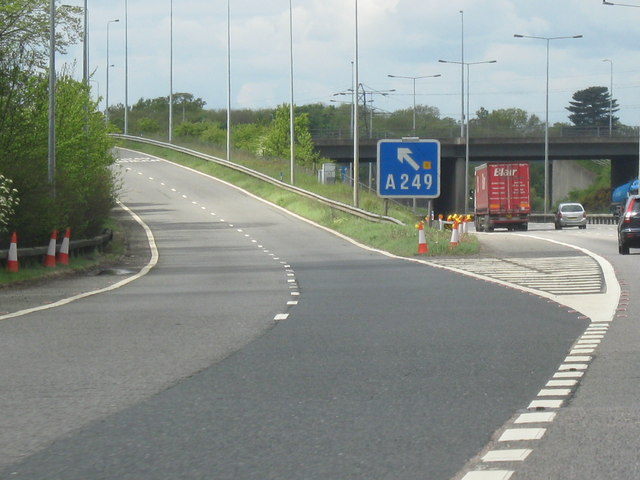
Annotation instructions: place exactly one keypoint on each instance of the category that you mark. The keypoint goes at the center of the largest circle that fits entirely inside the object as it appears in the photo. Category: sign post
(408, 168)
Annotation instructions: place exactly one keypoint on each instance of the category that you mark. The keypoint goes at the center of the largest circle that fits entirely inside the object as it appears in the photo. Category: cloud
(401, 37)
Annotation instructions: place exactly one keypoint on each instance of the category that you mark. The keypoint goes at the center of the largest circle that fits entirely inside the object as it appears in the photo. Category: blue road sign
(409, 169)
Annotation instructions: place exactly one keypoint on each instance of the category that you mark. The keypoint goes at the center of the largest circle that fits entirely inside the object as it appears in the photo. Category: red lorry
(502, 196)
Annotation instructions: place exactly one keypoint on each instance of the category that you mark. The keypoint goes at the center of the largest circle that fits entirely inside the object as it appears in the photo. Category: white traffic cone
(12, 258)
(50, 258)
(422, 241)
(454, 235)
(63, 254)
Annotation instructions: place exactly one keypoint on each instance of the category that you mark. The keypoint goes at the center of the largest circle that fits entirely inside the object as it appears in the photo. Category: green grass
(33, 271)
(400, 240)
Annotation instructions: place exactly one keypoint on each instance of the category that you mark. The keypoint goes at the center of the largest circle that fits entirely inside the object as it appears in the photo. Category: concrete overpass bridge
(623, 151)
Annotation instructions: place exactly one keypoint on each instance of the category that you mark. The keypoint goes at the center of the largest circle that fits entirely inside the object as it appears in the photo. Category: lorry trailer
(502, 196)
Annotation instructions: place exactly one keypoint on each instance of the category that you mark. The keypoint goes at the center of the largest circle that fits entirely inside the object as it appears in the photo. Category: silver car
(570, 215)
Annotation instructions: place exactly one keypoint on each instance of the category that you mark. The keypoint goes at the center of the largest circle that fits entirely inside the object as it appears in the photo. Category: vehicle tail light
(627, 213)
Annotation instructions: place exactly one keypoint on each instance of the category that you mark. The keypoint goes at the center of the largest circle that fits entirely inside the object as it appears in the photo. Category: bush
(83, 192)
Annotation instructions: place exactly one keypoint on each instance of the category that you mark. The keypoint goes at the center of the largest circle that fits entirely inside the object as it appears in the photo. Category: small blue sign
(409, 168)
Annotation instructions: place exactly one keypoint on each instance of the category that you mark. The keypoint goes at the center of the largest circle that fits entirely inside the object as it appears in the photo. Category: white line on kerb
(152, 263)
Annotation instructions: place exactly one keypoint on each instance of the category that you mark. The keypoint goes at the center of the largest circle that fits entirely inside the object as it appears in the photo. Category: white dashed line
(543, 417)
(489, 475)
(290, 274)
(520, 434)
(510, 455)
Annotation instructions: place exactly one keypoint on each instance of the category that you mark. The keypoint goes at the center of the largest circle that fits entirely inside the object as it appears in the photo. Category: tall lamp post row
(546, 117)
(467, 116)
(414, 92)
(106, 110)
(605, 2)
(610, 95)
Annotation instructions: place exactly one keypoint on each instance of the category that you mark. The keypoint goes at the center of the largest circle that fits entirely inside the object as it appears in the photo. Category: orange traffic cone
(422, 241)
(63, 254)
(50, 258)
(12, 258)
(454, 235)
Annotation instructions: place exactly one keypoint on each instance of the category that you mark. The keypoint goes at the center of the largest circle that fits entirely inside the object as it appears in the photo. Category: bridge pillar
(622, 170)
(567, 176)
(451, 186)
(459, 194)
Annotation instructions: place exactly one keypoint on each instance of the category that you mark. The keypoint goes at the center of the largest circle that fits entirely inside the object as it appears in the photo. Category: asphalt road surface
(262, 347)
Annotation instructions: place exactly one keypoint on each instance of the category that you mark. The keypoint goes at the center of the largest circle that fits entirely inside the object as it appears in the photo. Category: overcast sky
(398, 37)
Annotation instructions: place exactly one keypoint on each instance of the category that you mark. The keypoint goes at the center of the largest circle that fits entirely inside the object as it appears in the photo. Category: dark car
(629, 225)
(570, 215)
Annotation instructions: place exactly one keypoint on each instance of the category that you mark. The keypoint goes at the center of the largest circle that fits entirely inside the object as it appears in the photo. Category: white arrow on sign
(404, 155)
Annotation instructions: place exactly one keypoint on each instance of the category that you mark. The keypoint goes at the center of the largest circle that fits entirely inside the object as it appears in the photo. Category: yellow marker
(426, 165)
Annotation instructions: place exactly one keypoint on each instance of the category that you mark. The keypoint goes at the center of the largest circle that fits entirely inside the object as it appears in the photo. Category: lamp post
(170, 71)
(51, 157)
(292, 139)
(468, 116)
(605, 2)
(462, 74)
(546, 120)
(126, 68)
(356, 152)
(610, 95)
(106, 107)
(228, 80)
(414, 93)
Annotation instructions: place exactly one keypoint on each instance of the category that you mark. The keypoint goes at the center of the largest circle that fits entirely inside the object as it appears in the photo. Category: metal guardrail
(593, 219)
(76, 248)
(261, 176)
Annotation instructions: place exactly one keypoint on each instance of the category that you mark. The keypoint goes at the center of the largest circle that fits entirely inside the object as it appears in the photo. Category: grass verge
(33, 271)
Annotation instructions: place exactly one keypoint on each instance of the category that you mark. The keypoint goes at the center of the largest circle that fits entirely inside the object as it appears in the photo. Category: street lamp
(228, 80)
(126, 68)
(610, 95)
(51, 160)
(546, 121)
(170, 71)
(356, 139)
(466, 154)
(414, 93)
(106, 108)
(85, 46)
(292, 133)
(604, 2)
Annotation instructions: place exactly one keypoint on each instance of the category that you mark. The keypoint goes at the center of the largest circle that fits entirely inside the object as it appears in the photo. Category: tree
(276, 143)
(590, 107)
(84, 183)
(504, 120)
(24, 30)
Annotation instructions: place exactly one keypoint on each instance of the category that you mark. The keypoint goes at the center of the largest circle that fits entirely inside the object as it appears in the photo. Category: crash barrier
(64, 249)
(253, 173)
(447, 223)
(593, 219)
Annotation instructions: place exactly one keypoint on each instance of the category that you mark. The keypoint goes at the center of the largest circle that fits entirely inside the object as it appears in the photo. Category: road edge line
(143, 271)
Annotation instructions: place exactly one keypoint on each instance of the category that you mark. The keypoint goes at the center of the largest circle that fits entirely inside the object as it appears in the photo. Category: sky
(395, 37)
